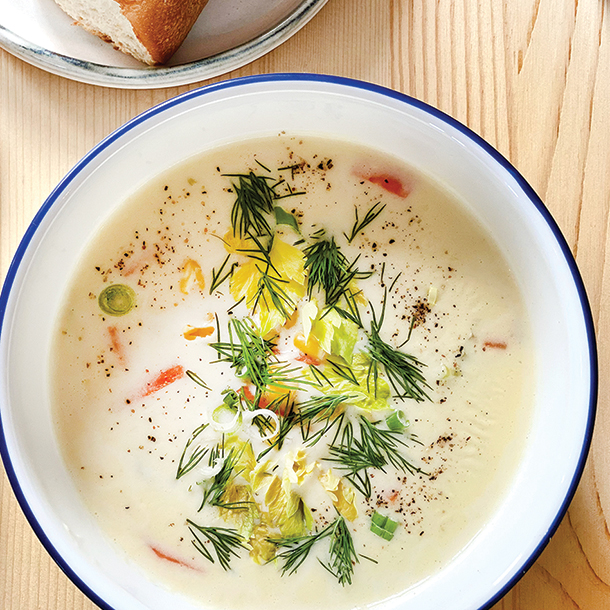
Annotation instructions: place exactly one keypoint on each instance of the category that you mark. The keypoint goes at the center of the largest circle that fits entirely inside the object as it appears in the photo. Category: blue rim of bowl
(348, 83)
(149, 77)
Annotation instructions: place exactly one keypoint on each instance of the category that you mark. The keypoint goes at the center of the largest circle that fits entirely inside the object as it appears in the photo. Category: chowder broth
(127, 401)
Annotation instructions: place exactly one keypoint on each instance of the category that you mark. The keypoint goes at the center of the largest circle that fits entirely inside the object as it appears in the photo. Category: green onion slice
(383, 526)
(225, 418)
(397, 421)
(117, 300)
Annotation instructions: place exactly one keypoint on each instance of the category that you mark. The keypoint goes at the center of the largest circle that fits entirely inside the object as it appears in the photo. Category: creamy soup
(292, 369)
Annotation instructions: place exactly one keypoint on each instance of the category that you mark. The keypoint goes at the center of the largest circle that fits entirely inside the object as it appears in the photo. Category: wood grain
(532, 77)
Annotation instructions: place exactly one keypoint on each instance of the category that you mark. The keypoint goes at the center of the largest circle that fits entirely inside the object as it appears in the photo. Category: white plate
(229, 34)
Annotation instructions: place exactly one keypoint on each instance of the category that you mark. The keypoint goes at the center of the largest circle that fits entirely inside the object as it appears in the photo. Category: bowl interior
(421, 137)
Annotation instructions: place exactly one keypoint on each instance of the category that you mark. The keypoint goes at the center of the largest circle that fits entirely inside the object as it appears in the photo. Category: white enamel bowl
(565, 356)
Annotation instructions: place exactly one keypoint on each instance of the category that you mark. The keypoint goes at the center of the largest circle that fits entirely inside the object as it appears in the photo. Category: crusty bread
(150, 30)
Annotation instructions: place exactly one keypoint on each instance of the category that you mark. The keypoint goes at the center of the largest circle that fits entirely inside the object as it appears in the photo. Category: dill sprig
(189, 460)
(355, 459)
(344, 286)
(342, 369)
(261, 252)
(287, 421)
(270, 280)
(350, 311)
(402, 370)
(298, 549)
(330, 271)
(374, 447)
(325, 410)
(252, 357)
(219, 484)
(341, 551)
(247, 352)
(360, 225)
(271, 286)
(224, 540)
(320, 379)
(254, 200)
(255, 197)
(197, 380)
(218, 278)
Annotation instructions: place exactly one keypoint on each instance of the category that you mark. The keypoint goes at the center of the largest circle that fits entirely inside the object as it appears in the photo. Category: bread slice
(150, 30)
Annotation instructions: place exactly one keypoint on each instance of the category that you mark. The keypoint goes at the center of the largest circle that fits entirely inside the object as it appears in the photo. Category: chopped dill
(252, 358)
(224, 540)
(216, 489)
(330, 271)
(402, 370)
(217, 276)
(254, 200)
(197, 379)
(189, 460)
(325, 410)
(263, 166)
(342, 554)
(360, 225)
(374, 447)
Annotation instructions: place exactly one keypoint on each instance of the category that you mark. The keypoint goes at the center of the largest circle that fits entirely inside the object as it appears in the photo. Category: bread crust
(149, 30)
(161, 25)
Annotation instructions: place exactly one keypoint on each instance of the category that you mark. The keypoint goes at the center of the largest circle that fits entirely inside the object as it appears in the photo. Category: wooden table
(532, 77)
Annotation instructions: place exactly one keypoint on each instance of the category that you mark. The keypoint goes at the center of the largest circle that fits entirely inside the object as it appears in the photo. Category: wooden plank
(530, 76)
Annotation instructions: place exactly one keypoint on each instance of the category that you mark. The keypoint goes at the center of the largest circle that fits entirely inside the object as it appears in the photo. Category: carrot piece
(390, 183)
(247, 392)
(311, 352)
(268, 398)
(264, 401)
(117, 346)
(162, 555)
(308, 359)
(192, 333)
(393, 496)
(163, 379)
(494, 344)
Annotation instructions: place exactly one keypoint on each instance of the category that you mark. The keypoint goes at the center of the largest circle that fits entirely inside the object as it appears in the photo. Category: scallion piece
(397, 421)
(383, 526)
(117, 299)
